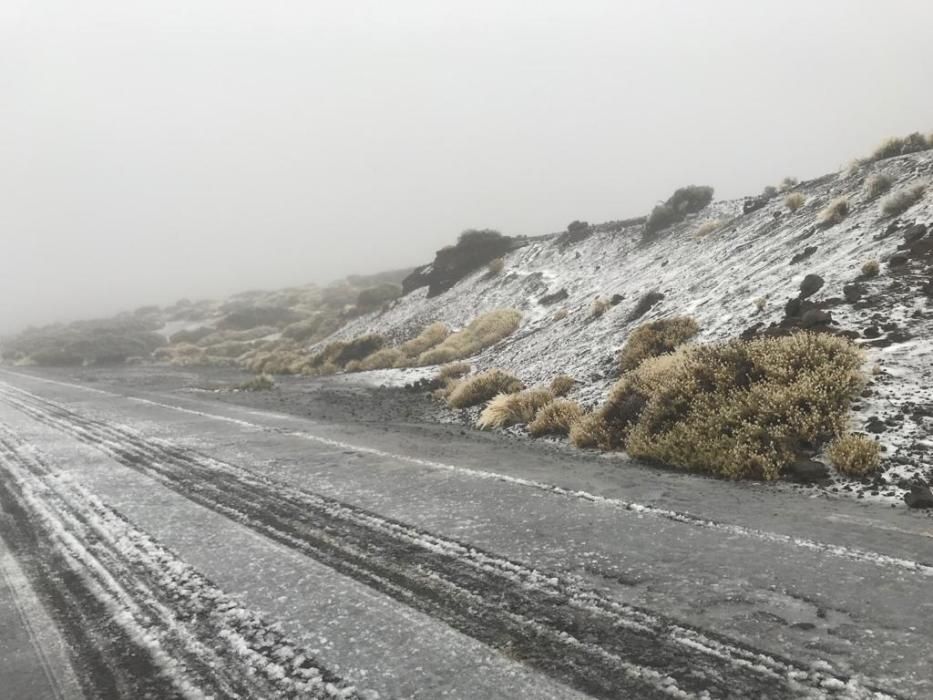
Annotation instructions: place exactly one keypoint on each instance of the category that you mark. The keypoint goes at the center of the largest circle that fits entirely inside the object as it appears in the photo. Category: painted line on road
(836, 550)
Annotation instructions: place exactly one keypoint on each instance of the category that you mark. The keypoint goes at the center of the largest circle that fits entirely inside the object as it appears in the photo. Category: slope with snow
(719, 279)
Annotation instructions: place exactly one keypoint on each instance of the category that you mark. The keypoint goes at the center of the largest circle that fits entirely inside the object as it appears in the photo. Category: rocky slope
(763, 271)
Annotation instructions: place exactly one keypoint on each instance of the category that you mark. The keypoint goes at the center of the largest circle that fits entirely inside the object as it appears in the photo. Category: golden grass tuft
(707, 227)
(510, 409)
(429, 337)
(495, 267)
(761, 303)
(482, 387)
(454, 370)
(560, 315)
(834, 213)
(736, 409)
(871, 268)
(656, 338)
(599, 307)
(562, 384)
(588, 431)
(381, 359)
(555, 418)
(877, 185)
(854, 455)
(482, 332)
(903, 199)
(794, 201)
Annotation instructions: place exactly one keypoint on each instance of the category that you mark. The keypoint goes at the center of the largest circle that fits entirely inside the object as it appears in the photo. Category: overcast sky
(154, 150)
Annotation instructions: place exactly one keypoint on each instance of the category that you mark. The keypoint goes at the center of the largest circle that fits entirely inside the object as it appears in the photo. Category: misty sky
(154, 150)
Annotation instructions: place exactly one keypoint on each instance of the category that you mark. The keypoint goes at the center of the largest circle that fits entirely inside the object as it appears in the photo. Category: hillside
(828, 256)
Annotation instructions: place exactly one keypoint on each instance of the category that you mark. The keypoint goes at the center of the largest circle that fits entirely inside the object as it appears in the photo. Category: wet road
(162, 544)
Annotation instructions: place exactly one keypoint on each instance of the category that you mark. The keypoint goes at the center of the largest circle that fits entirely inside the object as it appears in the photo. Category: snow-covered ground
(719, 279)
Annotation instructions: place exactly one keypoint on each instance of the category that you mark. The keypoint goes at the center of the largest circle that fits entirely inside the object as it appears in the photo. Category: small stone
(853, 292)
(872, 332)
(875, 425)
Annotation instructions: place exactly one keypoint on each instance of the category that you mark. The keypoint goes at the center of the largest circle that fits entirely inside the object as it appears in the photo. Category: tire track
(549, 622)
(140, 622)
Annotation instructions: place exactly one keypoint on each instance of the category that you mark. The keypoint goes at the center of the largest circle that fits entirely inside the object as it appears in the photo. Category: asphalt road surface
(159, 543)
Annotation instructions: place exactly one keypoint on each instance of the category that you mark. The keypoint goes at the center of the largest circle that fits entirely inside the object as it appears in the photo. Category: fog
(155, 150)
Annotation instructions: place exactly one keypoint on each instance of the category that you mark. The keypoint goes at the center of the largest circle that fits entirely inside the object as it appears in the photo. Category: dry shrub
(789, 183)
(482, 387)
(483, 332)
(560, 314)
(656, 338)
(737, 409)
(598, 307)
(834, 213)
(901, 145)
(871, 268)
(510, 409)
(453, 371)
(794, 201)
(877, 185)
(353, 366)
(495, 267)
(707, 227)
(562, 384)
(761, 303)
(588, 431)
(555, 418)
(429, 337)
(902, 200)
(855, 455)
(261, 383)
(381, 359)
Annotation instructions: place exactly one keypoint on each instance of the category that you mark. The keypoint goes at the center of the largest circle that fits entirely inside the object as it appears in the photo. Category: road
(160, 543)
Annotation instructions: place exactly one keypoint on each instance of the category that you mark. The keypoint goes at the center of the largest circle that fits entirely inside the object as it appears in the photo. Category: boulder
(811, 285)
(806, 471)
(920, 496)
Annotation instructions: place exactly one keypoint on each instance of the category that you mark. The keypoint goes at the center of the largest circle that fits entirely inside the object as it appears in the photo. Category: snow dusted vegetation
(735, 279)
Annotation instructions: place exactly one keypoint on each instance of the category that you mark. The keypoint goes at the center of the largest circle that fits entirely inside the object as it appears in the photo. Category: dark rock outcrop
(473, 250)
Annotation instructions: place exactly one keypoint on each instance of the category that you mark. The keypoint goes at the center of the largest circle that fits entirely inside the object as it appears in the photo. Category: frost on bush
(901, 145)
(902, 200)
(495, 267)
(707, 227)
(656, 338)
(794, 201)
(482, 387)
(510, 409)
(877, 185)
(834, 213)
(855, 455)
(483, 332)
(737, 409)
(599, 307)
(556, 418)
